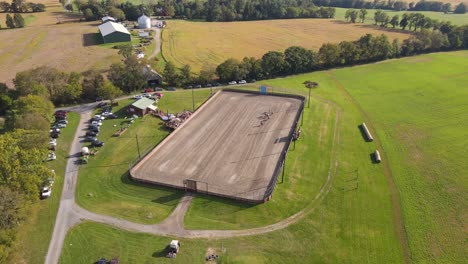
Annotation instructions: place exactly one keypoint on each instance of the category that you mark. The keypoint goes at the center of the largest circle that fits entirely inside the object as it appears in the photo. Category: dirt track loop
(71, 214)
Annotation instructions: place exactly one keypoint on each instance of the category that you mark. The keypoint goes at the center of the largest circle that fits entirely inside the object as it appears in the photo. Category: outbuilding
(142, 107)
(144, 22)
(108, 18)
(114, 32)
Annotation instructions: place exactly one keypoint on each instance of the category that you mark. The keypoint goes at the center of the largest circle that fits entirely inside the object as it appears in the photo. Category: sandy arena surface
(224, 146)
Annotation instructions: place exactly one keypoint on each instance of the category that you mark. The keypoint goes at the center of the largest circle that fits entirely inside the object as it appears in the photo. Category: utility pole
(193, 102)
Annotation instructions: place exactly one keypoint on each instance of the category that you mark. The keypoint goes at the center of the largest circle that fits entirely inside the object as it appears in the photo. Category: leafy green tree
(127, 76)
(5, 6)
(125, 50)
(349, 52)
(19, 20)
(88, 14)
(253, 68)
(230, 70)
(9, 21)
(73, 88)
(170, 73)
(329, 55)
(404, 22)
(5, 103)
(299, 59)
(273, 64)
(362, 15)
(92, 80)
(116, 13)
(353, 16)
(460, 9)
(109, 91)
(394, 21)
(186, 74)
(207, 74)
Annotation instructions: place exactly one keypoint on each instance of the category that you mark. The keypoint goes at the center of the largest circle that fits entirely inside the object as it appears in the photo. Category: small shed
(142, 107)
(114, 32)
(108, 18)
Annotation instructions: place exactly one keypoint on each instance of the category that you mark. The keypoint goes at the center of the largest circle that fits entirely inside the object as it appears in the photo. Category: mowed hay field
(201, 43)
(44, 42)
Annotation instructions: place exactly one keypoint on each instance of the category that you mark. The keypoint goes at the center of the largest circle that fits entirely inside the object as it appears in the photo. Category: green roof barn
(114, 32)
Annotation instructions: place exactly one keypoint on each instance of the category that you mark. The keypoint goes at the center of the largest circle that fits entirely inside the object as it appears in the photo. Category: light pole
(310, 85)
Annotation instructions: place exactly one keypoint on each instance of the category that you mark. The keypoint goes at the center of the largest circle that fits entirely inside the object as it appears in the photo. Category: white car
(51, 156)
(242, 82)
(232, 83)
(100, 117)
(46, 191)
(105, 114)
(98, 123)
(137, 96)
(53, 141)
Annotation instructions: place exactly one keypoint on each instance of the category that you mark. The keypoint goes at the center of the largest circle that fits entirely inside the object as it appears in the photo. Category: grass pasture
(416, 107)
(455, 19)
(201, 43)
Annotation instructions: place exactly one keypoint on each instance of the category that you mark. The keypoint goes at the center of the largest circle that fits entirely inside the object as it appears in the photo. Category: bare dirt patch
(228, 148)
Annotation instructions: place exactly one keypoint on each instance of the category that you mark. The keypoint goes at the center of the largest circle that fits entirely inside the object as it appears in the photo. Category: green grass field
(35, 234)
(416, 106)
(104, 186)
(455, 19)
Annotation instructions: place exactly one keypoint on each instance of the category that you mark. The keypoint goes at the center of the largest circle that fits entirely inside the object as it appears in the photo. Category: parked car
(97, 143)
(91, 133)
(171, 88)
(100, 117)
(61, 121)
(90, 138)
(112, 116)
(158, 89)
(46, 192)
(54, 135)
(53, 141)
(232, 83)
(209, 85)
(94, 129)
(60, 125)
(102, 261)
(242, 82)
(102, 104)
(197, 86)
(188, 87)
(137, 96)
(97, 123)
(252, 81)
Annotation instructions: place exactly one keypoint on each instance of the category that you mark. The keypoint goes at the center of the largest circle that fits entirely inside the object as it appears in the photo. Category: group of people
(266, 117)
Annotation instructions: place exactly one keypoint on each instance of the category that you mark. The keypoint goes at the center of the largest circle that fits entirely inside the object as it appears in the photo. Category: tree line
(366, 49)
(21, 6)
(211, 10)
(423, 5)
(23, 147)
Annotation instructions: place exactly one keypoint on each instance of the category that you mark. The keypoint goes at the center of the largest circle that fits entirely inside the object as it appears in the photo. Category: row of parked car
(197, 86)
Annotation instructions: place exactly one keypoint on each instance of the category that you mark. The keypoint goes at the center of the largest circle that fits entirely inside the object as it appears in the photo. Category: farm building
(108, 18)
(114, 32)
(142, 107)
(153, 78)
(144, 22)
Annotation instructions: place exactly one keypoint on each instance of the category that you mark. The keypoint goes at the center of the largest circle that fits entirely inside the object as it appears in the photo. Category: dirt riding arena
(232, 146)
